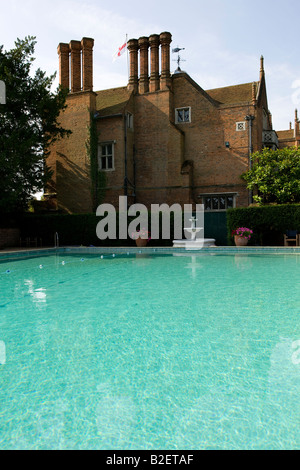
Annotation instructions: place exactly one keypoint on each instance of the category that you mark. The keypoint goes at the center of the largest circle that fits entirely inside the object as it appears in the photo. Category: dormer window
(182, 115)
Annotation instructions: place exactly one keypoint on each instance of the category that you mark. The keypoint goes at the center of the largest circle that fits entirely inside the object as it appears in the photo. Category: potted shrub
(141, 238)
(241, 236)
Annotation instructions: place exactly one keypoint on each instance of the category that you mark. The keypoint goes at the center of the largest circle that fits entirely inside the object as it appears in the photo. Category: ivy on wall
(98, 177)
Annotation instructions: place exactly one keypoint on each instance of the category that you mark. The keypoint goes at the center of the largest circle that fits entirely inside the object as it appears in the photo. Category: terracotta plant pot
(240, 241)
(140, 242)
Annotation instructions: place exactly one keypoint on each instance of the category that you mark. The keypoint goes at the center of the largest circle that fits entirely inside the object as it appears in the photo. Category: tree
(275, 176)
(28, 126)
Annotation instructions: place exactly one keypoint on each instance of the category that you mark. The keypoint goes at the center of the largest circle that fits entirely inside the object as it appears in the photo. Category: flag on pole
(120, 50)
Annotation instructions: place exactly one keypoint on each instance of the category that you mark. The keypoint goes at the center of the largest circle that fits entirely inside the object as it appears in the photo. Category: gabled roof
(233, 94)
(286, 135)
(181, 74)
(112, 101)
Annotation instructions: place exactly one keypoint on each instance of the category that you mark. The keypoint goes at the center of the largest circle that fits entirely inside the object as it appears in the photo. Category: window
(106, 156)
(182, 115)
(241, 126)
(129, 119)
(218, 202)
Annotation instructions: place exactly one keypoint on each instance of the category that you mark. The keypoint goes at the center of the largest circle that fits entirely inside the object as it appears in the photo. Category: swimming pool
(137, 351)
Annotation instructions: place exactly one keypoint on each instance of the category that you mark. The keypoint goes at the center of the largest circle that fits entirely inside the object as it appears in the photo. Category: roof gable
(233, 94)
(112, 101)
(184, 75)
(286, 134)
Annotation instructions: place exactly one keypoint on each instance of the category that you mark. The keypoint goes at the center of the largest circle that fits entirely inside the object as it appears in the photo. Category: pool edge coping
(23, 254)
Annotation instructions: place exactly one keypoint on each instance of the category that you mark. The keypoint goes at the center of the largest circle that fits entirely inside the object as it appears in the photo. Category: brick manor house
(161, 138)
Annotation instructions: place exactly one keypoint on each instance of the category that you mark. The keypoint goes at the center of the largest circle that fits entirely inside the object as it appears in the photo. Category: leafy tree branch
(275, 176)
(29, 125)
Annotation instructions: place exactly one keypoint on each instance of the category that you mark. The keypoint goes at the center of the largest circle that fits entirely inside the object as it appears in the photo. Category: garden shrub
(77, 229)
(269, 223)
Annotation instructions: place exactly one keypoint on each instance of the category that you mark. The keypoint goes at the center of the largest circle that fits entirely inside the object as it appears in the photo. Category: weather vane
(179, 59)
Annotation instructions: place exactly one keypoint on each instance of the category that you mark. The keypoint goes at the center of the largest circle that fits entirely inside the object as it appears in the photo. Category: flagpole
(127, 56)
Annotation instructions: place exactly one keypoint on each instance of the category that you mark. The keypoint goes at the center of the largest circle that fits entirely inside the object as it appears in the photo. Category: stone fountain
(194, 243)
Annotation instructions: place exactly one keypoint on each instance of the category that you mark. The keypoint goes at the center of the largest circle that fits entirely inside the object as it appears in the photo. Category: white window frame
(218, 195)
(183, 108)
(100, 156)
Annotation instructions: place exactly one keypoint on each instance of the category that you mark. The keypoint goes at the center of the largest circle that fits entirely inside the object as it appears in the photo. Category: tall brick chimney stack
(143, 83)
(165, 78)
(75, 48)
(143, 43)
(64, 74)
(132, 46)
(87, 45)
(154, 53)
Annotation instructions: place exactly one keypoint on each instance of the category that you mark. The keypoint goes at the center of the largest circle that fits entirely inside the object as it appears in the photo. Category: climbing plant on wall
(98, 177)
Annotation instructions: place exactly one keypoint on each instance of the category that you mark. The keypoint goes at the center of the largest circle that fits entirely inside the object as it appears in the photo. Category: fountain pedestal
(194, 243)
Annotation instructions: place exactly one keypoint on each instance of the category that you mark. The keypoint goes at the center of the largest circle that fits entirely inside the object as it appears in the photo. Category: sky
(223, 40)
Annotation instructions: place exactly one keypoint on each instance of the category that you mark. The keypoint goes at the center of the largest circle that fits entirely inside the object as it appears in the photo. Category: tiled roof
(112, 101)
(232, 94)
(285, 135)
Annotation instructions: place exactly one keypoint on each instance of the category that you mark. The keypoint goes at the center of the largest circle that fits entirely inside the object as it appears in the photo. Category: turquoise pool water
(150, 352)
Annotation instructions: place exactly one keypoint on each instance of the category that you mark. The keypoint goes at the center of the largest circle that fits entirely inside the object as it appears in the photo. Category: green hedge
(269, 223)
(9, 220)
(72, 229)
(75, 229)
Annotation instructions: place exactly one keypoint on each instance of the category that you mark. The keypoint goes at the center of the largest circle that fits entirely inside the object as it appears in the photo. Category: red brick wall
(159, 148)
(159, 151)
(112, 129)
(217, 169)
(287, 143)
(69, 158)
(169, 162)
